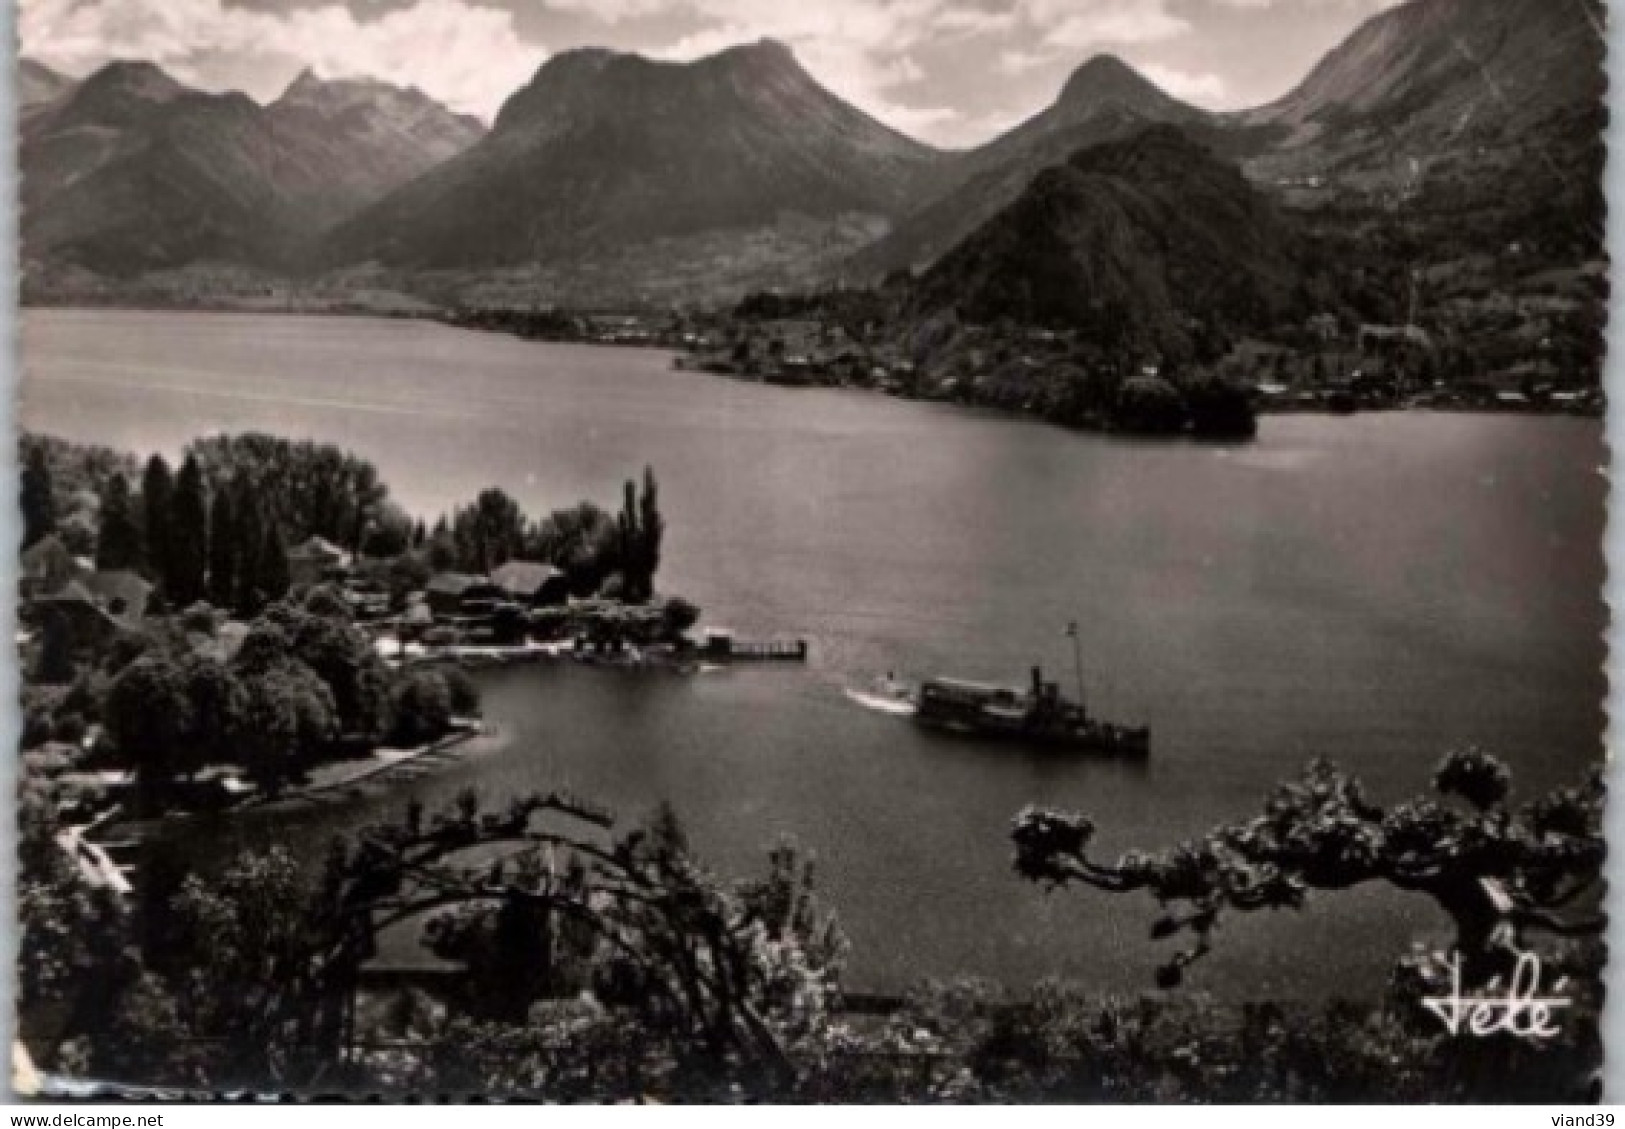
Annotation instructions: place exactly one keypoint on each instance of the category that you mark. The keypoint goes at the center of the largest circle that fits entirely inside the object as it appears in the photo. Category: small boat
(1037, 715)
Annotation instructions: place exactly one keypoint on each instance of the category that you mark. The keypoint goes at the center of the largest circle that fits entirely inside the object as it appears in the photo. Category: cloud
(859, 48)
(467, 55)
(1366, 7)
(1092, 23)
(1016, 61)
(975, 21)
(1203, 89)
(612, 11)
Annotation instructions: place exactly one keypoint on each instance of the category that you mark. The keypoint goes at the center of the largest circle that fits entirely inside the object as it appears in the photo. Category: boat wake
(882, 703)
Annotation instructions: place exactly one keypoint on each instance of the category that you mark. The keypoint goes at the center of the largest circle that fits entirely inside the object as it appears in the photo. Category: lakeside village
(179, 654)
(242, 630)
(1525, 353)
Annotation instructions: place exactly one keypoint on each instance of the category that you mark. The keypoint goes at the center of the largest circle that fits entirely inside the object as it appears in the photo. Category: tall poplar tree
(189, 533)
(118, 543)
(157, 501)
(223, 541)
(274, 579)
(39, 507)
(249, 527)
(651, 529)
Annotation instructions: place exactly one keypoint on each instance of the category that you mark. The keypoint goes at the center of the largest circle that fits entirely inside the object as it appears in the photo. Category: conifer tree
(272, 569)
(651, 529)
(118, 544)
(249, 526)
(157, 502)
(189, 533)
(223, 546)
(39, 508)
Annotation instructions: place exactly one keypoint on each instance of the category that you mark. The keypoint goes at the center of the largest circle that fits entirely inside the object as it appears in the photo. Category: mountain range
(613, 175)
(129, 170)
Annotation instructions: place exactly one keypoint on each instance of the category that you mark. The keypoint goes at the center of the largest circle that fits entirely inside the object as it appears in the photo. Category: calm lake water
(1376, 589)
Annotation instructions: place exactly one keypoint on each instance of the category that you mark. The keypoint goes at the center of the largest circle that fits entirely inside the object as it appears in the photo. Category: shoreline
(375, 772)
(682, 355)
(380, 766)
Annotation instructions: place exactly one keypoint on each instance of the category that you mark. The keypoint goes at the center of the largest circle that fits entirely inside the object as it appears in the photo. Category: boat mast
(1077, 657)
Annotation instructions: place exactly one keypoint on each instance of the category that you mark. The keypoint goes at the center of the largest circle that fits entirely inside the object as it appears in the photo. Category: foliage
(640, 527)
(71, 936)
(583, 541)
(490, 532)
(119, 543)
(680, 615)
(38, 501)
(422, 708)
(304, 489)
(66, 480)
(1496, 872)
(288, 716)
(388, 531)
(613, 968)
(244, 977)
(224, 543)
(189, 531)
(342, 656)
(157, 503)
(465, 696)
(149, 716)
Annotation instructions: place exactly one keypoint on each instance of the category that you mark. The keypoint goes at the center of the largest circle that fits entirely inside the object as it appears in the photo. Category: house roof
(317, 549)
(45, 555)
(524, 578)
(73, 592)
(453, 583)
(119, 584)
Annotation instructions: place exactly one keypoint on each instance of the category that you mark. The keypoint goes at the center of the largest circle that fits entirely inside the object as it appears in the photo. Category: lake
(1377, 589)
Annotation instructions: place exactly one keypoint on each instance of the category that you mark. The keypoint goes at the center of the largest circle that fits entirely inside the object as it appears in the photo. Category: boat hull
(1097, 738)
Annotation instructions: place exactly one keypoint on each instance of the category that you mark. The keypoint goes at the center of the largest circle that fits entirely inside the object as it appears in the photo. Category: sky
(951, 72)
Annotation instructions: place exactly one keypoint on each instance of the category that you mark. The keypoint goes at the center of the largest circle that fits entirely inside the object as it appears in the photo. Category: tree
(272, 567)
(189, 531)
(55, 664)
(388, 532)
(249, 526)
(640, 528)
(157, 502)
(1219, 409)
(1495, 872)
(38, 504)
(342, 656)
(489, 533)
(148, 715)
(584, 541)
(651, 531)
(287, 715)
(247, 942)
(223, 545)
(71, 937)
(306, 488)
(118, 546)
(678, 615)
(1150, 405)
(422, 708)
(216, 714)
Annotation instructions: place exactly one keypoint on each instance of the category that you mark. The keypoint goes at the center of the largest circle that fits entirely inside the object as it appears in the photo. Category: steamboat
(1039, 714)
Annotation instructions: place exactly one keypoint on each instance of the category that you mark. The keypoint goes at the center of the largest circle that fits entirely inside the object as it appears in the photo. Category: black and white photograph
(852, 552)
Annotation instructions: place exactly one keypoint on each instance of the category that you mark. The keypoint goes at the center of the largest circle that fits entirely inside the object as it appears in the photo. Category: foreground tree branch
(1493, 870)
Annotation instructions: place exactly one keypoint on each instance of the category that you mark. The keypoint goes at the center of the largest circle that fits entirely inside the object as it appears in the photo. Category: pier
(721, 645)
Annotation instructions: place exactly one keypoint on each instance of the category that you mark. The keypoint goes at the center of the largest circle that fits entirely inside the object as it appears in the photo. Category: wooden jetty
(718, 644)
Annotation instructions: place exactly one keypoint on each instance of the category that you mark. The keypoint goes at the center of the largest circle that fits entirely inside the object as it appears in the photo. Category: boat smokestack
(1038, 682)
